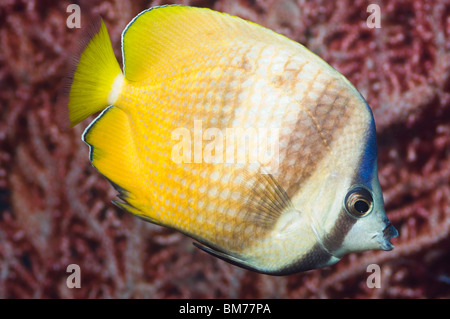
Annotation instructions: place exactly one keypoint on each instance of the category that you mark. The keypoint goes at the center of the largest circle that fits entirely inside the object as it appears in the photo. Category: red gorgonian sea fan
(55, 208)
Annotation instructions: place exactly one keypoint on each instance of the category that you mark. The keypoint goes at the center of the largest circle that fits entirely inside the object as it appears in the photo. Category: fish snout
(386, 235)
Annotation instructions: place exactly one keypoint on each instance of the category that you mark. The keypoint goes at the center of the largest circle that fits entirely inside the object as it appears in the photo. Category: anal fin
(113, 154)
(225, 256)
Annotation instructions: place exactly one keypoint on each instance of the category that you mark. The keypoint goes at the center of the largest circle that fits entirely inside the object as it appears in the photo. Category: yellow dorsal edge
(160, 34)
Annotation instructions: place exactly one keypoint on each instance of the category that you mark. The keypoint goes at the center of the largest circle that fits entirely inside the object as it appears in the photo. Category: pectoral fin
(263, 200)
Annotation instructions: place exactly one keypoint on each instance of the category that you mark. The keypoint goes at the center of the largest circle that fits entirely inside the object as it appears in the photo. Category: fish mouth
(388, 233)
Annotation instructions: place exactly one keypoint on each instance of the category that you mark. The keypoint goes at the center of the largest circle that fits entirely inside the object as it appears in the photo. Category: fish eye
(359, 202)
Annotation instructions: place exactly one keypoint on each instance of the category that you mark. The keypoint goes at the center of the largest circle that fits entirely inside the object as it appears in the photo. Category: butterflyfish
(235, 136)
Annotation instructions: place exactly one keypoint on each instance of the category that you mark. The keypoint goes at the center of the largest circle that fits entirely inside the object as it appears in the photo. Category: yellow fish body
(190, 77)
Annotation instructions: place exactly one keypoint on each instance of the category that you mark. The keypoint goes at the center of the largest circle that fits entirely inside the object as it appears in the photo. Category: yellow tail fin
(97, 79)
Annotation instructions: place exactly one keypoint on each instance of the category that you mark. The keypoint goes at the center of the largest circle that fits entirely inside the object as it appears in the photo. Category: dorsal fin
(162, 32)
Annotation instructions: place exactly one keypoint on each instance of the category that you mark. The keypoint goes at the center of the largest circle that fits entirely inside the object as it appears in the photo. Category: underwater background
(55, 208)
